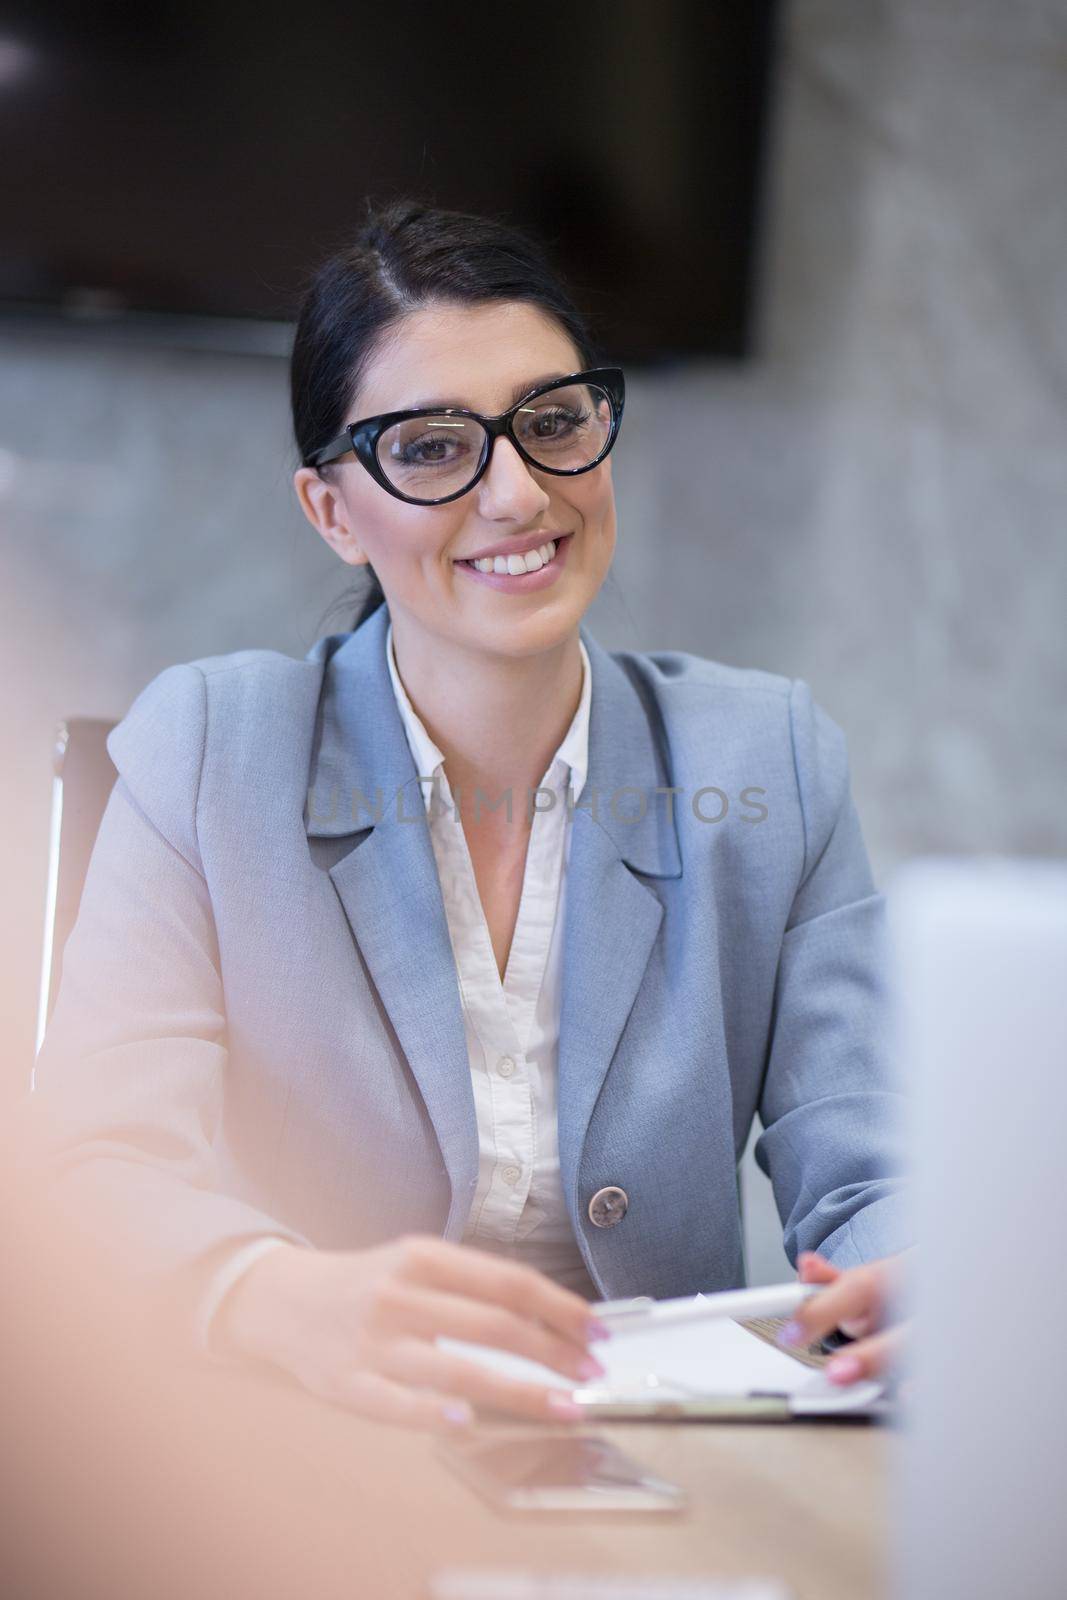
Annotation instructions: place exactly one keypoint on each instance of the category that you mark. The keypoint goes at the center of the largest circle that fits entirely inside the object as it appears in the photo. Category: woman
(430, 985)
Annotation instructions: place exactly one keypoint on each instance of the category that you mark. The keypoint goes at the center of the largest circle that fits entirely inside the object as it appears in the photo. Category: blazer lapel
(364, 783)
(612, 916)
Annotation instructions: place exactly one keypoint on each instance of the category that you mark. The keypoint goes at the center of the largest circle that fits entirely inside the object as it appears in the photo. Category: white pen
(743, 1305)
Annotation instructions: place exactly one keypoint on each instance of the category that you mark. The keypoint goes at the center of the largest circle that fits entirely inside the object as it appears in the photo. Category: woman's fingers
(869, 1358)
(813, 1268)
(345, 1312)
(415, 1362)
(464, 1271)
(408, 1308)
(382, 1399)
(857, 1293)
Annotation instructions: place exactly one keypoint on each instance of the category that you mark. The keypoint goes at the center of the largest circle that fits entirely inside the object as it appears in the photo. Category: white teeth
(532, 561)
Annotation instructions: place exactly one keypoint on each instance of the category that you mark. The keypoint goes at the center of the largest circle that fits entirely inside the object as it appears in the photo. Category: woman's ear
(324, 507)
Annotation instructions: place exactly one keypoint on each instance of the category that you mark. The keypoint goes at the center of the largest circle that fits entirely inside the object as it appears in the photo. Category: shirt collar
(573, 750)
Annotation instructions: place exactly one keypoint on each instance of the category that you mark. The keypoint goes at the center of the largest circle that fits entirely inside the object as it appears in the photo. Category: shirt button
(505, 1066)
(511, 1175)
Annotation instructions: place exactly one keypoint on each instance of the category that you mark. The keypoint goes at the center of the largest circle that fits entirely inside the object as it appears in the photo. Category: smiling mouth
(515, 565)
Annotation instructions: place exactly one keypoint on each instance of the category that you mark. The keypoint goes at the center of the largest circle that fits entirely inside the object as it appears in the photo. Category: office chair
(84, 776)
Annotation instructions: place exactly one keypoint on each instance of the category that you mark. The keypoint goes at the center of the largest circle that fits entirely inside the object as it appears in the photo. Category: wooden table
(799, 1502)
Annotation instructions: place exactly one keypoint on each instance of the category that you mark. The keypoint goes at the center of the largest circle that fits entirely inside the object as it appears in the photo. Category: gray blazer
(259, 1025)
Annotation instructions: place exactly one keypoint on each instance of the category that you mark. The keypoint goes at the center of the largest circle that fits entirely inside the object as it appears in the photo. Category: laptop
(978, 953)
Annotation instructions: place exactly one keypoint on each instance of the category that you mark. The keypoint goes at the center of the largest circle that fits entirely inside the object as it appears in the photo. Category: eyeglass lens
(427, 457)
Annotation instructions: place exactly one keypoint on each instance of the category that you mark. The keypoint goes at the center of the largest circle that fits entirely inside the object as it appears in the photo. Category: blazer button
(608, 1206)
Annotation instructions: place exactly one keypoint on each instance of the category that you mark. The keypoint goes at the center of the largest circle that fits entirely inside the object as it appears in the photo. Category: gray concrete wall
(875, 504)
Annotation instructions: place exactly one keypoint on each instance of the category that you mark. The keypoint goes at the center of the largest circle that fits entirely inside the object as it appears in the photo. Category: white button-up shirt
(512, 1027)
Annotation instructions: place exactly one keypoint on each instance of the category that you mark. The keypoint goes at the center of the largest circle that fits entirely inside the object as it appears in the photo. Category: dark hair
(406, 255)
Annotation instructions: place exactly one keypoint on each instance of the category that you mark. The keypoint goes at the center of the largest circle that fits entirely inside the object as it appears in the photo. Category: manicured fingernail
(458, 1413)
(598, 1330)
(564, 1406)
(590, 1367)
(791, 1333)
(844, 1369)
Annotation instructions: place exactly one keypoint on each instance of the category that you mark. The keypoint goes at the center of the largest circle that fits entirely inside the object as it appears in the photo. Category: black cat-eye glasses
(430, 456)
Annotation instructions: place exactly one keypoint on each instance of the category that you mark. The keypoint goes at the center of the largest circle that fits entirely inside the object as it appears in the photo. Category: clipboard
(608, 1406)
(714, 1371)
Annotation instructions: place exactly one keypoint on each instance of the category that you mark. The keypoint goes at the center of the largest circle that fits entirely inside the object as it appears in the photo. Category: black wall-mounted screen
(199, 157)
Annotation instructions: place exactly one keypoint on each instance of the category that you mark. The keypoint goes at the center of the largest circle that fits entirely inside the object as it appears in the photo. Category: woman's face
(479, 357)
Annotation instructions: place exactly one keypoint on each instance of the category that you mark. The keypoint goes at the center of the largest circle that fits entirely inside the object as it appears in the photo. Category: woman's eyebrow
(516, 394)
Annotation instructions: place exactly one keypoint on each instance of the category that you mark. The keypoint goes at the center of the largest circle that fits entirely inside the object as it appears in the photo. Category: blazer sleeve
(129, 1078)
(830, 1107)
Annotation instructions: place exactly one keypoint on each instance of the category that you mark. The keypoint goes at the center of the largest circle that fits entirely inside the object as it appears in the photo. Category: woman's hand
(857, 1300)
(358, 1327)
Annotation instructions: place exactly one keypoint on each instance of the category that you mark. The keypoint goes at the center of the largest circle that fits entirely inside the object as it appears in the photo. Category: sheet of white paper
(717, 1357)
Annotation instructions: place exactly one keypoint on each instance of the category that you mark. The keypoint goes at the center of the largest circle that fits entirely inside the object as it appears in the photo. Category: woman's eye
(555, 422)
(431, 450)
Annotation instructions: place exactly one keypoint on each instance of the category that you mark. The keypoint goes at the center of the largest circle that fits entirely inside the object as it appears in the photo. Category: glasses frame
(362, 437)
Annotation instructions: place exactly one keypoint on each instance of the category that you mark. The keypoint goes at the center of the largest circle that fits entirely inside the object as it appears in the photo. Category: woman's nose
(509, 488)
